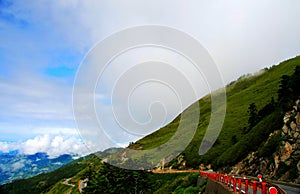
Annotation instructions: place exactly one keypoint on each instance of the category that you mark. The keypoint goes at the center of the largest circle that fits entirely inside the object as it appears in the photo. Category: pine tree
(253, 116)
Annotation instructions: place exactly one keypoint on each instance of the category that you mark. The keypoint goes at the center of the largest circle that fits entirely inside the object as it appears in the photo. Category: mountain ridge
(14, 165)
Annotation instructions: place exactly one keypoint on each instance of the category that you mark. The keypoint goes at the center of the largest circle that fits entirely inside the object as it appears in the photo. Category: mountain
(15, 166)
(256, 106)
(235, 140)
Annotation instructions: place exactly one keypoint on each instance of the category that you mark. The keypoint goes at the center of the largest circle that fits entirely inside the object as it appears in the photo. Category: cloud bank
(52, 144)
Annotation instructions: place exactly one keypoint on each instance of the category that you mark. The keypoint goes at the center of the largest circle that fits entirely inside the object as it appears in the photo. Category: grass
(256, 89)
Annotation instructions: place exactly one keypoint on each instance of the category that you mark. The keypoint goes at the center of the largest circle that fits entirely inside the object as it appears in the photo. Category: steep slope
(279, 156)
(258, 89)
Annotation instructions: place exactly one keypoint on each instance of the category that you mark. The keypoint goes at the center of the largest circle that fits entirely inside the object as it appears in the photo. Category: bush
(271, 146)
(282, 169)
(251, 141)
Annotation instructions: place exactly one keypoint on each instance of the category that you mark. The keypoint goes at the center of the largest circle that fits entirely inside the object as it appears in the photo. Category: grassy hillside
(258, 89)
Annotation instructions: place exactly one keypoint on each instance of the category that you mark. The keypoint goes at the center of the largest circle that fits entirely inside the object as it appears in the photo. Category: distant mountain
(15, 166)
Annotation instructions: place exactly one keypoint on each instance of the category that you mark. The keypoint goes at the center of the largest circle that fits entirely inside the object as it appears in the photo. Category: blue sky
(43, 42)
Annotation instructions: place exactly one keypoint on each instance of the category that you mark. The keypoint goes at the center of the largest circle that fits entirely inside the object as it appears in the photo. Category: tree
(253, 116)
(284, 90)
(295, 83)
(288, 90)
(110, 179)
(267, 109)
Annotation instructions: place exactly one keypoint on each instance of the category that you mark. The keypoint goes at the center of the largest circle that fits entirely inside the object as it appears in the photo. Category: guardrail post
(246, 186)
(228, 184)
(263, 187)
(273, 190)
(234, 184)
(240, 185)
(254, 187)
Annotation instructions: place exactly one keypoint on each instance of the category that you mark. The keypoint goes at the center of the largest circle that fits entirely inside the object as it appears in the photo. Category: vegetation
(271, 146)
(43, 182)
(104, 178)
(240, 133)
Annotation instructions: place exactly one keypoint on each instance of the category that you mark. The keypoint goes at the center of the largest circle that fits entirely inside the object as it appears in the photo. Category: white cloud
(8, 146)
(53, 145)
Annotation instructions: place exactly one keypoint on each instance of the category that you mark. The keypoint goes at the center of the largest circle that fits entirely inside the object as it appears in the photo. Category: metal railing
(243, 185)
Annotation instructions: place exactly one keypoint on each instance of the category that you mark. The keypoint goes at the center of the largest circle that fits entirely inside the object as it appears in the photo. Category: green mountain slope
(258, 89)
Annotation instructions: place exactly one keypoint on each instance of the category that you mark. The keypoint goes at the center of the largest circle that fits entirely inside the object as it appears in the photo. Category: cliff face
(279, 157)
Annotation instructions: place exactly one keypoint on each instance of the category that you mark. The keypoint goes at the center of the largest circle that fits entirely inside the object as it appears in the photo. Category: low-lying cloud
(52, 144)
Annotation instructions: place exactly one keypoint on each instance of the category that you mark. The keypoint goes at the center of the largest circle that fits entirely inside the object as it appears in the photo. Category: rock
(252, 158)
(294, 146)
(298, 118)
(285, 129)
(298, 166)
(277, 132)
(295, 108)
(293, 126)
(276, 161)
(296, 135)
(271, 134)
(286, 151)
(286, 117)
(263, 166)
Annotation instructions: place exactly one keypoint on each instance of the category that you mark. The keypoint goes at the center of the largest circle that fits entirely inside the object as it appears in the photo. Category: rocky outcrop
(284, 163)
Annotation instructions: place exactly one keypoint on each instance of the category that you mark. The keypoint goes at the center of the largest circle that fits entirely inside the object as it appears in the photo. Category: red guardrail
(244, 185)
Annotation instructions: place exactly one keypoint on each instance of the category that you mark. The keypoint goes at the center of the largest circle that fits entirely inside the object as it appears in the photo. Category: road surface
(289, 189)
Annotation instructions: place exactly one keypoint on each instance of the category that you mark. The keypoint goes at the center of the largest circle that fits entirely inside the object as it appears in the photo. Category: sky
(43, 43)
